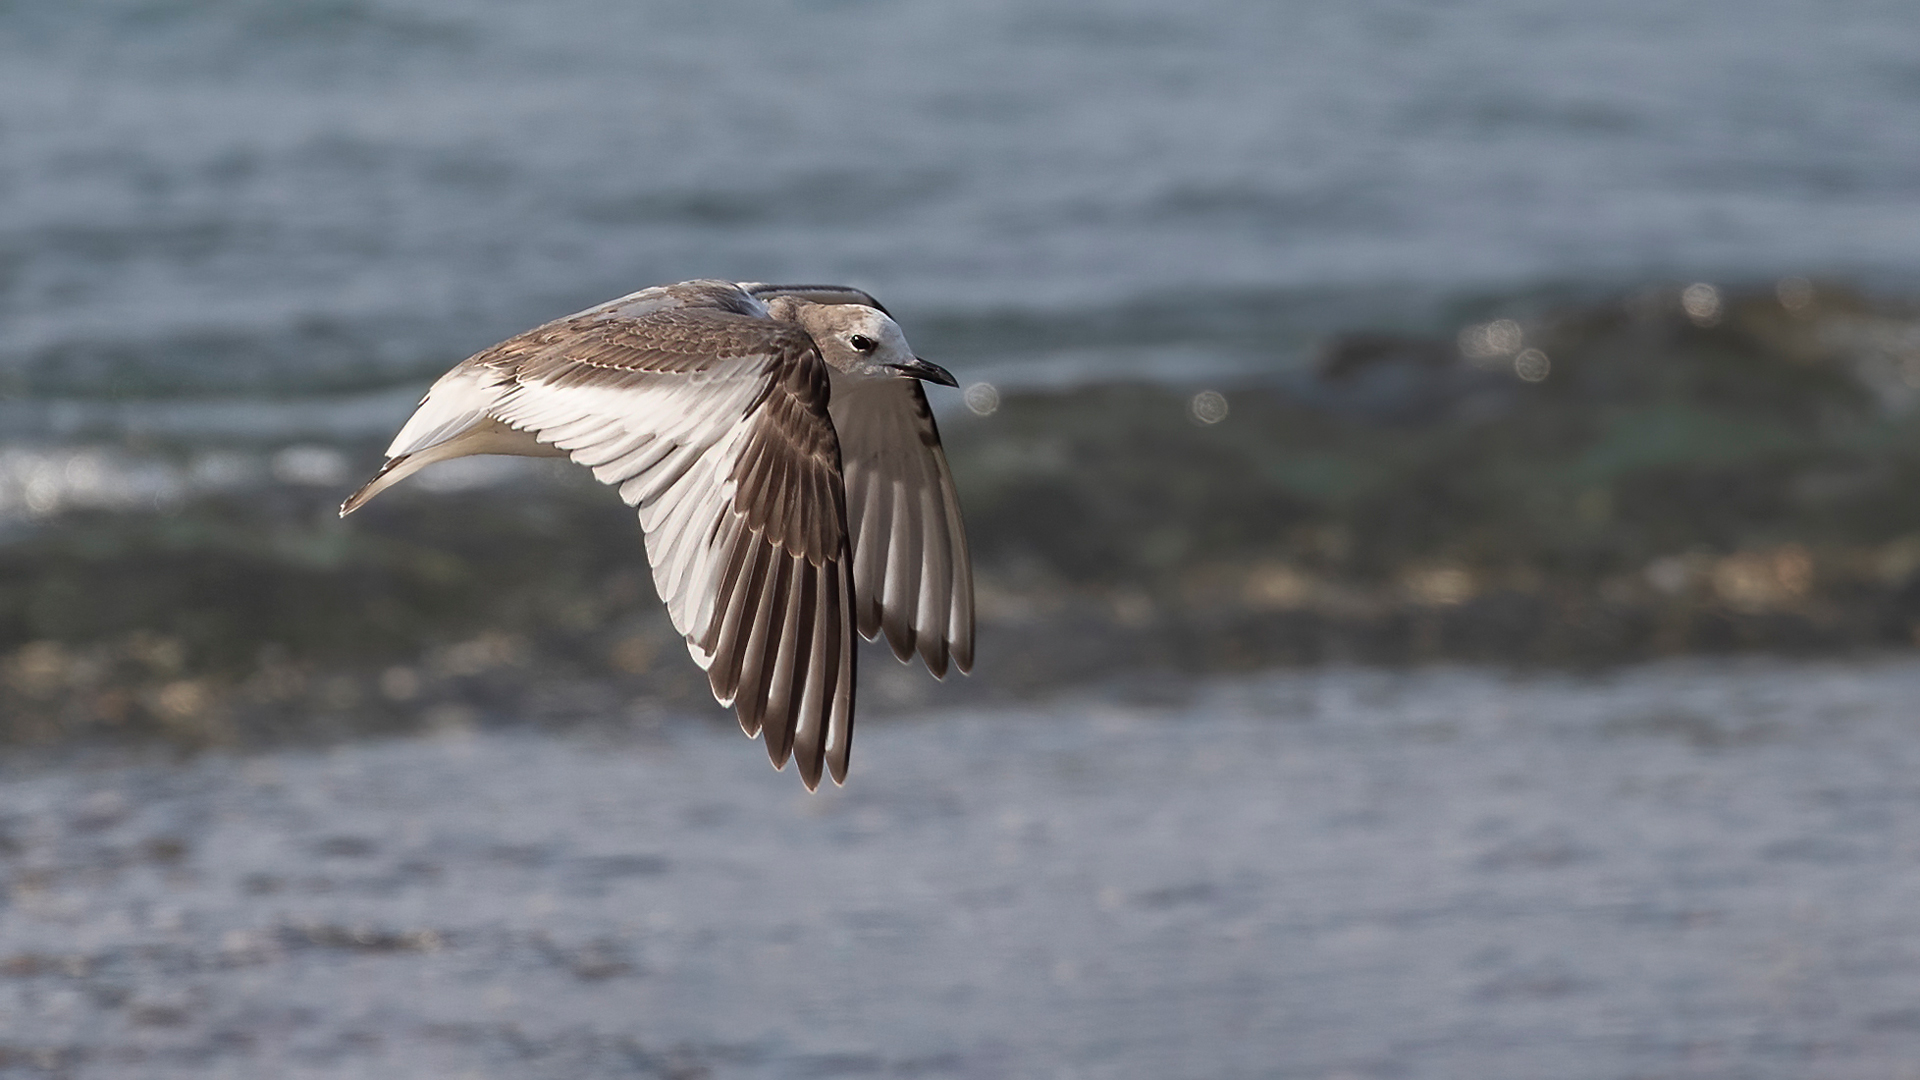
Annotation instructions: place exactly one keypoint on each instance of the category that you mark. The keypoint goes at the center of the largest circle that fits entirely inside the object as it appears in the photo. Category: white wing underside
(669, 448)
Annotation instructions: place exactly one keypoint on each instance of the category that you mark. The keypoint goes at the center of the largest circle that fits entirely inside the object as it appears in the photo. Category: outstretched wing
(711, 420)
(912, 578)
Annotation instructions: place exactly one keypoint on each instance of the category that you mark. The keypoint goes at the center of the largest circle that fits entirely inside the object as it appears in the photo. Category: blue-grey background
(235, 232)
(252, 197)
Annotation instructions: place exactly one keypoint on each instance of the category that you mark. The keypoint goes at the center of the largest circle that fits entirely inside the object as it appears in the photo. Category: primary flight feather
(786, 468)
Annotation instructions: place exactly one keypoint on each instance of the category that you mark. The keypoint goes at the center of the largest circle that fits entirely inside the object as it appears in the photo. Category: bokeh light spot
(1208, 407)
(1795, 293)
(1702, 303)
(1532, 365)
(1493, 341)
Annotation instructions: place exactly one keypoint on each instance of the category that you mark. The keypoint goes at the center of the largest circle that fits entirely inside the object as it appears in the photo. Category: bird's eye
(862, 343)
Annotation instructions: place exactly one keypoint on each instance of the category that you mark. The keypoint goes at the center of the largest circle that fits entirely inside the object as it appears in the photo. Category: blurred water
(245, 232)
(1689, 870)
(264, 199)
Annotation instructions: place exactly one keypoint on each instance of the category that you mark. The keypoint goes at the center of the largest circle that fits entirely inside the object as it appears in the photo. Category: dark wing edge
(913, 574)
(778, 644)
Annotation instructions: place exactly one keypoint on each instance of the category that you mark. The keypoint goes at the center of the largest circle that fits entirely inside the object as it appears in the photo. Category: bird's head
(860, 340)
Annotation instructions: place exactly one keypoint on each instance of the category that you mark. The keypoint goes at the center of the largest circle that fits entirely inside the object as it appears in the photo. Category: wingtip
(901, 639)
(936, 660)
(776, 753)
(373, 487)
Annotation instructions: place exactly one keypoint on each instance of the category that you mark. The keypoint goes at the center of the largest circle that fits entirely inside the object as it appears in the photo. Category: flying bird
(787, 471)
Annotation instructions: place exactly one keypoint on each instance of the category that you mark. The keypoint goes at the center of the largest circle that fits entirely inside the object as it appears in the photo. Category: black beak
(920, 369)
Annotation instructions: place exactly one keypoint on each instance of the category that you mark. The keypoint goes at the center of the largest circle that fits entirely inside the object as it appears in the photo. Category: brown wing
(712, 421)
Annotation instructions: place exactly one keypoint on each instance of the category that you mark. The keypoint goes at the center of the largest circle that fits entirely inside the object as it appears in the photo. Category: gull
(779, 448)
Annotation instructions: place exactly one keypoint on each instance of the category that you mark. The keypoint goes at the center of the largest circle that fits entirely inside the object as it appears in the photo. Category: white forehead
(860, 319)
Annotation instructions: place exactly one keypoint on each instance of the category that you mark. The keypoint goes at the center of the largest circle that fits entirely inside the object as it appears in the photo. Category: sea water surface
(256, 199)
(1696, 869)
